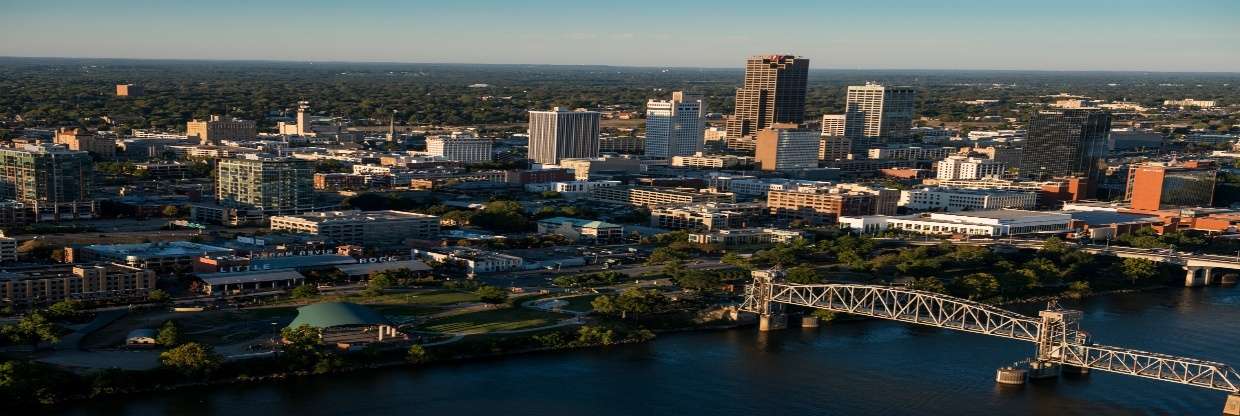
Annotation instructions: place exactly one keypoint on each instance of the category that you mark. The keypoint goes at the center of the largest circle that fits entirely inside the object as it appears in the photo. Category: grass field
(506, 319)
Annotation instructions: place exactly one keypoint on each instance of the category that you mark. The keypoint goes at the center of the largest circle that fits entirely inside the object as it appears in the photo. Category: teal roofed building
(577, 229)
(347, 325)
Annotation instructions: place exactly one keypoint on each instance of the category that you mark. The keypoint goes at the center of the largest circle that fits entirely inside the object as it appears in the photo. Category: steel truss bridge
(1056, 332)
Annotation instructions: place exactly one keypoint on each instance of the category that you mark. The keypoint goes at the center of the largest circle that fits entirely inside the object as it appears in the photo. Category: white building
(968, 168)
(780, 149)
(700, 160)
(911, 153)
(560, 134)
(474, 261)
(675, 127)
(981, 223)
(885, 112)
(746, 236)
(460, 147)
(951, 199)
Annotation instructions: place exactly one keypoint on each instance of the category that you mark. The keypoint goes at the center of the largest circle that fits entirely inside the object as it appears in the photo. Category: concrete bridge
(1199, 268)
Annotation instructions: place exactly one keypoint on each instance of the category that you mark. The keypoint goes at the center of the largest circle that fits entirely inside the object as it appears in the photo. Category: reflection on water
(863, 368)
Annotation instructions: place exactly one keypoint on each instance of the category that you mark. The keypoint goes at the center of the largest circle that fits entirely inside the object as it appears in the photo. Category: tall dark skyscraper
(774, 92)
(1066, 143)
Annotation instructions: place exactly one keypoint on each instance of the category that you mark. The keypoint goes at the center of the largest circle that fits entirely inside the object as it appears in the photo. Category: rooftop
(331, 314)
(161, 249)
(577, 222)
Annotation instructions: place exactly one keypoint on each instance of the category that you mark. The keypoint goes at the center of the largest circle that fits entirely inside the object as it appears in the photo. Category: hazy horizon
(1051, 35)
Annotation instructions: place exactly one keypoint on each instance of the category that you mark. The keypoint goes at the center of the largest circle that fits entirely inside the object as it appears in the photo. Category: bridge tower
(771, 315)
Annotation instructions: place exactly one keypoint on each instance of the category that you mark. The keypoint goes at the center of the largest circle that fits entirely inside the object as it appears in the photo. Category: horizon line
(739, 67)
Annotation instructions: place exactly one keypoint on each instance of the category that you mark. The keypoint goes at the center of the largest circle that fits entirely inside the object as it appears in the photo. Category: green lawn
(506, 319)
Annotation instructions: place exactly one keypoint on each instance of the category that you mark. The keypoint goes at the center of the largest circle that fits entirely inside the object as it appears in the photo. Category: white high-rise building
(562, 134)
(675, 127)
(833, 125)
(968, 168)
(786, 147)
(883, 112)
(460, 147)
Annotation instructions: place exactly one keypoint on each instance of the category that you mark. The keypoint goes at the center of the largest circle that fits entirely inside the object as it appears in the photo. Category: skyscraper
(562, 134)
(275, 185)
(1066, 143)
(675, 127)
(52, 180)
(774, 92)
(785, 147)
(883, 112)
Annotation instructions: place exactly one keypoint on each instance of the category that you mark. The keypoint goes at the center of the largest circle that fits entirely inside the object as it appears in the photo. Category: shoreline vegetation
(693, 303)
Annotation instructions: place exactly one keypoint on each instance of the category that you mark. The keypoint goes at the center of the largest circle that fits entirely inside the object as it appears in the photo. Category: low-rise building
(708, 216)
(473, 260)
(949, 199)
(745, 236)
(700, 160)
(100, 282)
(654, 197)
(968, 168)
(821, 205)
(460, 147)
(161, 257)
(979, 223)
(575, 229)
(361, 227)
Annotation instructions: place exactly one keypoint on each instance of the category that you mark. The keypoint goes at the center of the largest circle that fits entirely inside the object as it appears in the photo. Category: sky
(1140, 35)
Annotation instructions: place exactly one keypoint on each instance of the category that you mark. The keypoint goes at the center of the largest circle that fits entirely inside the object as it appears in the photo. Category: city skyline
(1141, 36)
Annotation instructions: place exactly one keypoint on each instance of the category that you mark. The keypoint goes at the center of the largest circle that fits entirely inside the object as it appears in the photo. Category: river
(850, 368)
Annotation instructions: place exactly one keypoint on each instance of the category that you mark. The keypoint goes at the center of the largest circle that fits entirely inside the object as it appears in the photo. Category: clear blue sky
(1166, 35)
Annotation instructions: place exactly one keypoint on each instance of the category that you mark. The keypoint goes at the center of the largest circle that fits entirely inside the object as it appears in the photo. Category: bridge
(1055, 332)
(1199, 268)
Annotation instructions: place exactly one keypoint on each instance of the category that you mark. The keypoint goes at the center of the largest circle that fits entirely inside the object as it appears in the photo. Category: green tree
(803, 275)
(1054, 246)
(927, 284)
(736, 260)
(698, 280)
(1077, 290)
(491, 294)
(305, 291)
(190, 359)
(300, 350)
(169, 335)
(417, 355)
(603, 305)
(170, 211)
(976, 285)
(158, 296)
(65, 309)
(1017, 281)
(32, 330)
(1138, 269)
(378, 283)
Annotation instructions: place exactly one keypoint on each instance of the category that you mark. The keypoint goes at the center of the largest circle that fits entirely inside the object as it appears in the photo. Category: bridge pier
(1194, 278)
(772, 322)
(1011, 375)
(1039, 369)
(809, 321)
(1232, 407)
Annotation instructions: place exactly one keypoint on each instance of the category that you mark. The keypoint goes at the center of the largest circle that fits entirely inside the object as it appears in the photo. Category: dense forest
(56, 92)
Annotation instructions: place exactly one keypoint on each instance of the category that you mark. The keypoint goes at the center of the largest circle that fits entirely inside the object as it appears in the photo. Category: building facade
(968, 168)
(361, 227)
(1157, 186)
(819, 207)
(786, 147)
(949, 199)
(560, 134)
(1066, 143)
(217, 129)
(883, 112)
(52, 182)
(675, 127)
(101, 282)
(460, 148)
(773, 92)
(79, 139)
(654, 197)
(274, 185)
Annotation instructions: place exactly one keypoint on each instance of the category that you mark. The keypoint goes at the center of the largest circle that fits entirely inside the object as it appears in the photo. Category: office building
(910, 153)
(952, 199)
(980, 223)
(785, 147)
(833, 125)
(473, 260)
(50, 181)
(821, 206)
(652, 197)
(101, 147)
(129, 90)
(361, 227)
(773, 92)
(746, 236)
(711, 161)
(1189, 102)
(883, 112)
(561, 134)
(460, 148)
(1155, 186)
(675, 127)
(968, 168)
(834, 147)
(709, 216)
(621, 144)
(273, 185)
(579, 230)
(96, 283)
(601, 167)
(217, 129)
(1066, 143)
